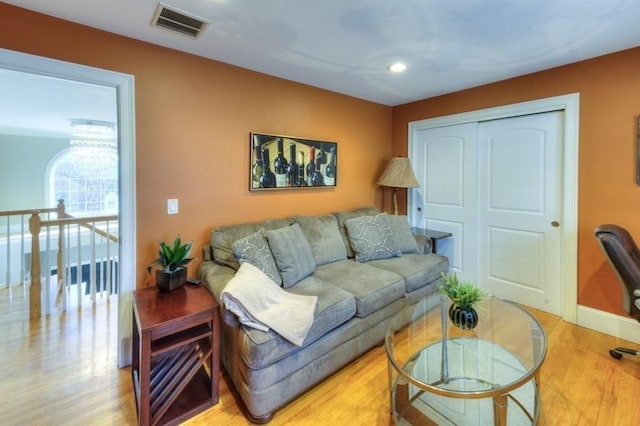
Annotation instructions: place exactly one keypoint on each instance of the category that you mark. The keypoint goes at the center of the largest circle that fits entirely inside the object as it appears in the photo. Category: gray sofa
(363, 266)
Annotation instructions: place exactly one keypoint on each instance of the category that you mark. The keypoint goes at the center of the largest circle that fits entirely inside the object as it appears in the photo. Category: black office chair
(624, 256)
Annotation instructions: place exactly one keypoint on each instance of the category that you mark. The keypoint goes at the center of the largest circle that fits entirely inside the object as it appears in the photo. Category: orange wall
(609, 87)
(193, 120)
(194, 116)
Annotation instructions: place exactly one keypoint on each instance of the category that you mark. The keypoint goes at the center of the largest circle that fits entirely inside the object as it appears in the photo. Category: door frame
(570, 105)
(124, 85)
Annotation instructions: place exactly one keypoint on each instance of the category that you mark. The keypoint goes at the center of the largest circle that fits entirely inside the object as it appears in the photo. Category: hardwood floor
(62, 371)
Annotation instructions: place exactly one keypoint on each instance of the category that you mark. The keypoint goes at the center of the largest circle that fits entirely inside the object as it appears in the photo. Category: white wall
(23, 164)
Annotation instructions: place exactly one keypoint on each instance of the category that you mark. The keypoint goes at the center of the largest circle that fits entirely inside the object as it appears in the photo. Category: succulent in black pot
(172, 260)
(464, 296)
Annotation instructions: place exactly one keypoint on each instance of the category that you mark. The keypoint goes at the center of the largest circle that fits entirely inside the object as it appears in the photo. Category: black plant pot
(168, 281)
(465, 318)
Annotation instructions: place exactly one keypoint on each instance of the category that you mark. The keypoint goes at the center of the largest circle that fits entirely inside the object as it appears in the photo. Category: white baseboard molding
(614, 325)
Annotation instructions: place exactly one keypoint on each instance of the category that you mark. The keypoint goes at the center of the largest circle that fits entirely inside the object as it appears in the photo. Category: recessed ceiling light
(397, 67)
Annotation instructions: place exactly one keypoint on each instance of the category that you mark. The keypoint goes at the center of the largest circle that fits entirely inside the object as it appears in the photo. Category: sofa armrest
(206, 252)
(215, 277)
(229, 318)
(424, 243)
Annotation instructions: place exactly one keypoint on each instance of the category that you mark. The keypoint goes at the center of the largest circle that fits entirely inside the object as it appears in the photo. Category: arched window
(86, 178)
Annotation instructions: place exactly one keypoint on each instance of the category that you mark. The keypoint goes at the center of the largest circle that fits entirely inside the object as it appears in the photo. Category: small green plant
(465, 294)
(172, 257)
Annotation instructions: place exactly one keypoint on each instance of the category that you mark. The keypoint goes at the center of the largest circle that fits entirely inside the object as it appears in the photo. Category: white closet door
(444, 159)
(519, 209)
(497, 187)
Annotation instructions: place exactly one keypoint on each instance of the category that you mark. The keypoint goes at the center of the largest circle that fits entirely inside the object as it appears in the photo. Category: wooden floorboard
(62, 371)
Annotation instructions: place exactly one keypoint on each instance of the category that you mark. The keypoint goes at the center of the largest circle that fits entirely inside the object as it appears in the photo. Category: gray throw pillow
(402, 233)
(255, 250)
(293, 254)
(371, 237)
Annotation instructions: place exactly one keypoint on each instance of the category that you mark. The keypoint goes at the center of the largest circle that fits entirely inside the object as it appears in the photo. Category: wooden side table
(175, 360)
(434, 235)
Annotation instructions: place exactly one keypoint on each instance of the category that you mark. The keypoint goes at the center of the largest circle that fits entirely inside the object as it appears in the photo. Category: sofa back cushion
(324, 237)
(223, 237)
(342, 217)
(402, 233)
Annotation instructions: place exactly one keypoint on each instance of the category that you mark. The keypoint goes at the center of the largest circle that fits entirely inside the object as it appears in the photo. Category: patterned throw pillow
(292, 252)
(255, 250)
(342, 219)
(371, 237)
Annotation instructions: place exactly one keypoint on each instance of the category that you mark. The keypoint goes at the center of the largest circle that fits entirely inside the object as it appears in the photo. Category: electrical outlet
(172, 206)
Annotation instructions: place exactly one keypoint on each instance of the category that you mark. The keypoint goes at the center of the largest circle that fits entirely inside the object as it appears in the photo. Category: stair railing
(15, 242)
(86, 251)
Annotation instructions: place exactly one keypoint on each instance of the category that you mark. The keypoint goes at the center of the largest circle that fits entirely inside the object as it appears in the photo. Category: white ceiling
(345, 46)
(37, 105)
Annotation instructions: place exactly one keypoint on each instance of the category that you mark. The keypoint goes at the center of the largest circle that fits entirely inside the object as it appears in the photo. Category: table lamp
(398, 174)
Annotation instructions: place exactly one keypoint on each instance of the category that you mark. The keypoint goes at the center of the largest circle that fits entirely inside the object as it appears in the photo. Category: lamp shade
(398, 174)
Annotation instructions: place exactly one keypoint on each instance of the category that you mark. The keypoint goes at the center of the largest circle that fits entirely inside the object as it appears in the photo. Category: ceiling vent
(173, 19)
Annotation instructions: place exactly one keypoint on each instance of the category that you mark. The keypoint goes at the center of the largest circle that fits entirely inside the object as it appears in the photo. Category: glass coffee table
(439, 373)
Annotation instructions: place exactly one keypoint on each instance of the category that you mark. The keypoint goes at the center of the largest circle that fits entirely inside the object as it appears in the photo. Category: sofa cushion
(333, 308)
(223, 237)
(260, 303)
(402, 233)
(255, 250)
(372, 287)
(342, 217)
(371, 237)
(323, 236)
(417, 270)
(292, 253)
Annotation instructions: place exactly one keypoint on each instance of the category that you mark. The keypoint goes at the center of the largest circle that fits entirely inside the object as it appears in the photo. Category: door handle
(555, 223)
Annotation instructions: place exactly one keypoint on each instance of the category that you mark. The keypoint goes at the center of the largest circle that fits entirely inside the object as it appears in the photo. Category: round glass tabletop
(444, 373)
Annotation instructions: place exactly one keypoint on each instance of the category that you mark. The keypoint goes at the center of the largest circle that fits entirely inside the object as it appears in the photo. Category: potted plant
(464, 296)
(172, 260)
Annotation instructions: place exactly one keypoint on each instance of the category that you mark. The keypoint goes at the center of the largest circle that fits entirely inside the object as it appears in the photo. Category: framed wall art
(287, 162)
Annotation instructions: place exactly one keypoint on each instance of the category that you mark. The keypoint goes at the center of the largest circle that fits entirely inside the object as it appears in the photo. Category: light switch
(172, 206)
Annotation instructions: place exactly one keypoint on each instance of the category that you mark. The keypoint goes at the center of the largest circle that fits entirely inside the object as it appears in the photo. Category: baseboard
(614, 325)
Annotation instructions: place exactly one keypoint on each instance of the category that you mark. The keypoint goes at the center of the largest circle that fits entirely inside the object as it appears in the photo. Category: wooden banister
(36, 224)
(100, 232)
(35, 303)
(85, 222)
(25, 211)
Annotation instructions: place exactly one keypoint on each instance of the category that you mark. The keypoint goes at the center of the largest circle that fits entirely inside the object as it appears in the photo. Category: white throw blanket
(261, 303)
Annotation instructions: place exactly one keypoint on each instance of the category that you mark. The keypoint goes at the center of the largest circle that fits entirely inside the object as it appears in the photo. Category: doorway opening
(120, 85)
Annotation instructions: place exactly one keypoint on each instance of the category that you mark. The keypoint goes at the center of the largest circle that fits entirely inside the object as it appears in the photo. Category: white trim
(608, 323)
(124, 85)
(570, 105)
(127, 146)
